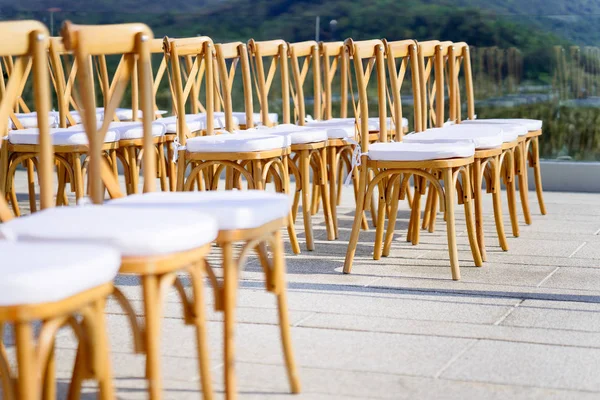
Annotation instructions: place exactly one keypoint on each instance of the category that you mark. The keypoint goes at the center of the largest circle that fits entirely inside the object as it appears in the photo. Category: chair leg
(323, 191)
(101, 350)
(356, 184)
(356, 225)
(304, 161)
(285, 180)
(152, 335)
(509, 182)
(497, 200)
(427, 209)
(230, 284)
(380, 225)
(523, 185)
(134, 171)
(434, 209)
(171, 167)
(450, 226)
(471, 231)
(374, 213)
(415, 215)
(78, 176)
(196, 274)
(477, 179)
(27, 384)
(49, 382)
(78, 375)
(284, 323)
(393, 215)
(314, 200)
(31, 186)
(331, 170)
(162, 167)
(537, 172)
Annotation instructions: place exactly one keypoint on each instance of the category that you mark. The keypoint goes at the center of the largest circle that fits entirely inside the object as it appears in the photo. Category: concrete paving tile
(555, 315)
(529, 365)
(574, 278)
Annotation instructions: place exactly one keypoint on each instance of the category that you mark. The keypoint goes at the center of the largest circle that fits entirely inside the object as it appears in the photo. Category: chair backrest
(63, 70)
(432, 59)
(197, 55)
(28, 45)
(156, 47)
(402, 58)
(132, 41)
(277, 52)
(334, 60)
(368, 56)
(459, 57)
(309, 51)
(235, 54)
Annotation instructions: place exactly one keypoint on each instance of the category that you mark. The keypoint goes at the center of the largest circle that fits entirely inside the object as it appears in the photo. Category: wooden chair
(528, 149)
(390, 161)
(156, 245)
(492, 145)
(252, 219)
(39, 283)
(309, 146)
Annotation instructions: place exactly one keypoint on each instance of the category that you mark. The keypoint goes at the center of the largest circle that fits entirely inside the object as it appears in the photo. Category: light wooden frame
(374, 52)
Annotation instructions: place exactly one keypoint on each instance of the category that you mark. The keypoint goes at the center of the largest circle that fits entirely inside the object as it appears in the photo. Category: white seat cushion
(531, 124)
(196, 122)
(73, 136)
(126, 114)
(297, 134)
(510, 132)
(134, 130)
(79, 120)
(390, 124)
(256, 118)
(242, 141)
(402, 151)
(134, 232)
(336, 128)
(29, 120)
(42, 272)
(482, 136)
(233, 209)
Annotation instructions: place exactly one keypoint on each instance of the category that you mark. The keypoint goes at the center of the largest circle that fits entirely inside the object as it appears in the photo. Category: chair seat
(256, 118)
(240, 142)
(403, 151)
(531, 124)
(482, 136)
(42, 272)
(509, 129)
(126, 114)
(74, 136)
(233, 209)
(29, 120)
(297, 134)
(196, 122)
(338, 128)
(134, 232)
(134, 130)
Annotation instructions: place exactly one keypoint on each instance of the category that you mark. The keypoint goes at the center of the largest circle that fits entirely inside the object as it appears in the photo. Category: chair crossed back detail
(309, 51)
(402, 57)
(63, 70)
(333, 58)
(459, 57)
(7, 66)
(276, 51)
(235, 54)
(367, 56)
(132, 42)
(156, 47)
(432, 55)
(28, 45)
(197, 55)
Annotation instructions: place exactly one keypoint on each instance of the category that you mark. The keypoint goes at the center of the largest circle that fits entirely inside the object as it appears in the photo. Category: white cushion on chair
(126, 114)
(242, 141)
(531, 124)
(233, 209)
(29, 120)
(403, 151)
(297, 134)
(42, 272)
(337, 128)
(134, 130)
(256, 118)
(73, 136)
(482, 136)
(196, 122)
(134, 232)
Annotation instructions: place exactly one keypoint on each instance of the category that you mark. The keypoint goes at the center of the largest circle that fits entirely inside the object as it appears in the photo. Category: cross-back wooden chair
(157, 268)
(528, 149)
(309, 146)
(492, 147)
(269, 212)
(30, 270)
(390, 161)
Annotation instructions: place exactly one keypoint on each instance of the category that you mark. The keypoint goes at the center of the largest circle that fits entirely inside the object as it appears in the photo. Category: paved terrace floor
(526, 325)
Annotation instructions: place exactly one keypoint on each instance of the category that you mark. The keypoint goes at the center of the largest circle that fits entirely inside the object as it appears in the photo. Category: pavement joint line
(577, 249)
(510, 311)
(548, 277)
(372, 281)
(597, 232)
(455, 358)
